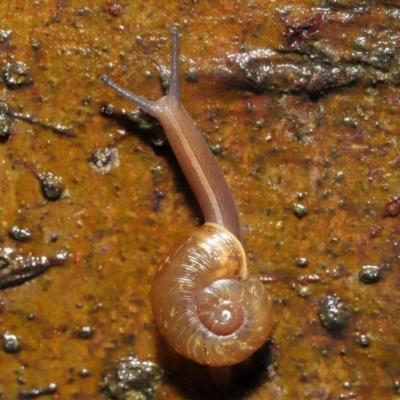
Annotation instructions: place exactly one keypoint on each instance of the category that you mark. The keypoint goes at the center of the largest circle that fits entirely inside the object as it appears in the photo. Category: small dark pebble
(299, 210)
(133, 379)
(335, 316)
(30, 316)
(5, 121)
(215, 149)
(5, 36)
(105, 159)
(36, 45)
(4, 262)
(339, 271)
(85, 332)
(304, 377)
(339, 176)
(20, 234)
(129, 339)
(362, 340)
(16, 75)
(301, 195)
(348, 396)
(192, 75)
(369, 274)
(396, 387)
(346, 385)
(158, 196)
(84, 373)
(101, 158)
(301, 262)
(107, 110)
(11, 343)
(51, 185)
(304, 292)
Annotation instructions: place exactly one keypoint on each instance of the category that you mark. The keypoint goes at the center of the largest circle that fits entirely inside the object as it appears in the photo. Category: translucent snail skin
(205, 302)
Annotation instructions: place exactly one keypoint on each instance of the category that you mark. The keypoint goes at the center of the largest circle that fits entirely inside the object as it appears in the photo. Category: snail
(205, 302)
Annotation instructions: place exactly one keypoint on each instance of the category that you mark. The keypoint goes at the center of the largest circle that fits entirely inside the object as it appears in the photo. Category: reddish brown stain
(299, 33)
(392, 208)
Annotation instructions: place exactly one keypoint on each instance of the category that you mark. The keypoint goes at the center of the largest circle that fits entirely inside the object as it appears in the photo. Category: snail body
(205, 302)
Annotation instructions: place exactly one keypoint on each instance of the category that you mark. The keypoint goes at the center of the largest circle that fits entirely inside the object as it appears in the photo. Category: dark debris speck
(369, 274)
(5, 36)
(20, 234)
(133, 379)
(215, 149)
(302, 262)
(85, 332)
(4, 262)
(51, 185)
(101, 158)
(107, 110)
(192, 75)
(335, 316)
(362, 340)
(16, 75)
(37, 392)
(104, 160)
(301, 195)
(84, 373)
(299, 210)
(157, 197)
(36, 44)
(11, 343)
(31, 268)
(5, 121)
(304, 292)
(54, 237)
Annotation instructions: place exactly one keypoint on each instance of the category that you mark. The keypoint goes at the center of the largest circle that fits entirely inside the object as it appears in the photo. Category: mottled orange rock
(300, 103)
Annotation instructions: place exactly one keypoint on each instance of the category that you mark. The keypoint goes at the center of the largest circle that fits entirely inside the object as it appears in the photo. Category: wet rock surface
(300, 104)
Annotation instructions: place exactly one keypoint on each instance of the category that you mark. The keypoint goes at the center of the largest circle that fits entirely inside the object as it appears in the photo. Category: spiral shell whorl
(202, 307)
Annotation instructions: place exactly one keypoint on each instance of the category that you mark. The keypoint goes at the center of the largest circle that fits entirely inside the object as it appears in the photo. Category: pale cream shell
(210, 255)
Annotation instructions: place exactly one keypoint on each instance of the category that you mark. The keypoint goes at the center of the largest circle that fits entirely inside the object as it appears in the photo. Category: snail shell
(203, 304)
